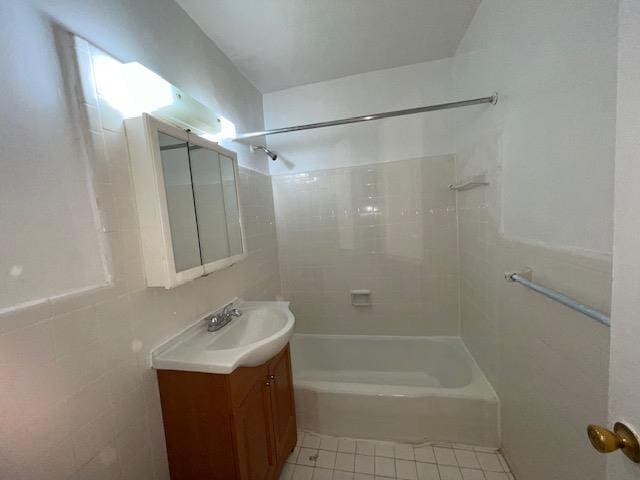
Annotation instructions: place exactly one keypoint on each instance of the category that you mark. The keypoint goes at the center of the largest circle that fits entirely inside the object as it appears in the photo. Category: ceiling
(278, 44)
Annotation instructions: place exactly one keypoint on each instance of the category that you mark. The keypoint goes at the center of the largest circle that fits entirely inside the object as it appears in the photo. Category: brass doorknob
(606, 441)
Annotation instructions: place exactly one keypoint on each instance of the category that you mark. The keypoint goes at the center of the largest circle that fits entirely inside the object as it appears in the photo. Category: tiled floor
(320, 457)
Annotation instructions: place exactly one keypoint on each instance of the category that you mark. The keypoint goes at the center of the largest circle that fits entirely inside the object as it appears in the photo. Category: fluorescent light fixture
(133, 89)
(130, 88)
(227, 131)
(149, 91)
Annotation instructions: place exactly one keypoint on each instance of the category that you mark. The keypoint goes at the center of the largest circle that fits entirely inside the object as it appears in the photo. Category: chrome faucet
(220, 319)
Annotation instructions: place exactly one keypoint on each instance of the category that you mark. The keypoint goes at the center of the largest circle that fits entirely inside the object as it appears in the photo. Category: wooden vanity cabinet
(224, 427)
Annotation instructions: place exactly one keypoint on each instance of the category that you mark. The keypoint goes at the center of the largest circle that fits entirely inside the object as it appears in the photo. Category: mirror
(180, 205)
(209, 200)
(231, 207)
(202, 201)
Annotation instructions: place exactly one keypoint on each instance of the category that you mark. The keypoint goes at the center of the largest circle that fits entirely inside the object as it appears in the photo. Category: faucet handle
(229, 310)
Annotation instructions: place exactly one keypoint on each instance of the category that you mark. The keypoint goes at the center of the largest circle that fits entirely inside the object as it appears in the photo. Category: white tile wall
(79, 399)
(389, 228)
(547, 363)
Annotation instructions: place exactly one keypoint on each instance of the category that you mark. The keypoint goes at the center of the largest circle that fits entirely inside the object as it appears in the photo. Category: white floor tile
(364, 464)
(463, 446)
(442, 444)
(307, 456)
(328, 443)
(364, 447)
(485, 449)
(427, 471)
(404, 452)
(384, 450)
(346, 445)
(496, 476)
(466, 458)
(287, 471)
(345, 461)
(489, 462)
(294, 455)
(406, 469)
(322, 474)
(503, 462)
(311, 441)
(362, 476)
(445, 456)
(424, 454)
(326, 459)
(302, 472)
(339, 475)
(469, 474)
(385, 467)
(449, 473)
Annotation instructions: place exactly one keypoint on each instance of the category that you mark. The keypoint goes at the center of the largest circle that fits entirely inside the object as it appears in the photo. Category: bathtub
(408, 389)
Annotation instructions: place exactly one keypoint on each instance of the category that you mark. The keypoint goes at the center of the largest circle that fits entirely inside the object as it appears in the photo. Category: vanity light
(132, 89)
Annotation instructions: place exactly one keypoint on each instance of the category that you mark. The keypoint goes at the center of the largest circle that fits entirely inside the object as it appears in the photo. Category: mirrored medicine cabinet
(187, 201)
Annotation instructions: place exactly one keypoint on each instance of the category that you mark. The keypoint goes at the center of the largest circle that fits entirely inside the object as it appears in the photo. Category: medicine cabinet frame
(153, 207)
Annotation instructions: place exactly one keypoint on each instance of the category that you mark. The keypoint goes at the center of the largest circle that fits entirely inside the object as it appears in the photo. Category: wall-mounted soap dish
(360, 298)
(470, 182)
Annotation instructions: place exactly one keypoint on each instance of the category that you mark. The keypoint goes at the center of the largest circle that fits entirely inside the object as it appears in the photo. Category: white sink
(250, 340)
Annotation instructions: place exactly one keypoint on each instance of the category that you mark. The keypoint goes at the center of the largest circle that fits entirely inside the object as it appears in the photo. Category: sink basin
(247, 341)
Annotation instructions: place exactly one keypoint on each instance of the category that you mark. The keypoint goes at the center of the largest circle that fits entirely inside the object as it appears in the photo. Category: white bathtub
(410, 389)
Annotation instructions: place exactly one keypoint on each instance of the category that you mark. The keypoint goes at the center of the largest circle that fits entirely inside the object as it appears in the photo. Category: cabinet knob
(271, 377)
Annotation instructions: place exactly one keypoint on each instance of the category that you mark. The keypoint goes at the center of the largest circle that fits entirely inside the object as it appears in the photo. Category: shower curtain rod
(493, 99)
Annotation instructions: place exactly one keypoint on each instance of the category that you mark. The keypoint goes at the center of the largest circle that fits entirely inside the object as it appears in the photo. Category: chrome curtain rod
(493, 99)
(523, 278)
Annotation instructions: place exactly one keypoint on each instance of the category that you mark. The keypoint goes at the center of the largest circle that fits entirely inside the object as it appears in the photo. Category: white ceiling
(278, 44)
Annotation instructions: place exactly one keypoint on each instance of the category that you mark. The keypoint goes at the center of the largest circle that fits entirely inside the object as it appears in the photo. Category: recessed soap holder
(361, 298)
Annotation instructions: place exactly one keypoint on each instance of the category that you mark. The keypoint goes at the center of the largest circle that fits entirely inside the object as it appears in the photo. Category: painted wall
(386, 140)
(548, 150)
(49, 184)
(162, 37)
(554, 66)
(624, 388)
(80, 400)
(388, 228)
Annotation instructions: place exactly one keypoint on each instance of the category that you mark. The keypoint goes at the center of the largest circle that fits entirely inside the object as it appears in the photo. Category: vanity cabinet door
(284, 415)
(254, 434)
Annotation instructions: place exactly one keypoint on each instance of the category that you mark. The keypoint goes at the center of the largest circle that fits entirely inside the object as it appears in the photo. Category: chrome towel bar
(524, 278)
